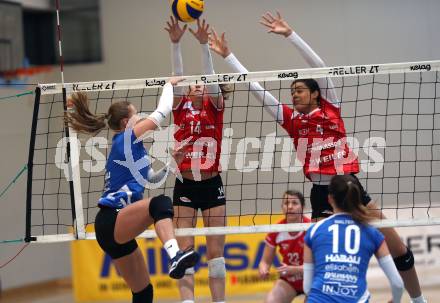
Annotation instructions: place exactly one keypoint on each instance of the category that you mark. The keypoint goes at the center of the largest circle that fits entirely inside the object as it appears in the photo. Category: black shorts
(104, 229)
(203, 194)
(319, 199)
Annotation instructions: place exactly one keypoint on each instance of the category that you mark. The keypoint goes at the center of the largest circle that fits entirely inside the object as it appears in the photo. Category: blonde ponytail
(81, 119)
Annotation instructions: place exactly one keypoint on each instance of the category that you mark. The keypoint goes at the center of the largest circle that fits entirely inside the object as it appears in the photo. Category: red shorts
(297, 285)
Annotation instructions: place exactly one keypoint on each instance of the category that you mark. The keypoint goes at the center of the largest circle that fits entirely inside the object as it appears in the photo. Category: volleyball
(187, 10)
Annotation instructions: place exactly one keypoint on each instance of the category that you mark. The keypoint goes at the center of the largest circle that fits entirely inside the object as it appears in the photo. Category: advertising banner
(95, 277)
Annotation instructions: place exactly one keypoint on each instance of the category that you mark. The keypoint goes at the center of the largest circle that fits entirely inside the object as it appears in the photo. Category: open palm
(174, 30)
(276, 25)
(202, 33)
(218, 44)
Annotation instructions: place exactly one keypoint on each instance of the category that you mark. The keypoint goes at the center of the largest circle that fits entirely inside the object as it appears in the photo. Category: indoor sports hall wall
(135, 45)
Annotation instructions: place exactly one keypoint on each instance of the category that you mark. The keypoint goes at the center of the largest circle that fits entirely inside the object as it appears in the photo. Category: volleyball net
(392, 119)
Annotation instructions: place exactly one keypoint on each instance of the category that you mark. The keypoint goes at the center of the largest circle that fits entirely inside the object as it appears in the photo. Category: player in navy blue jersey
(124, 212)
(338, 249)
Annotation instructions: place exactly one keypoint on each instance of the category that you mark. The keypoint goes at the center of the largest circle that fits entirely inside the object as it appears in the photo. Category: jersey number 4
(352, 238)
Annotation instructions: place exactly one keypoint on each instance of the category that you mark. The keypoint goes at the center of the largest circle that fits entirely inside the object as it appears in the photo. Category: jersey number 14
(195, 127)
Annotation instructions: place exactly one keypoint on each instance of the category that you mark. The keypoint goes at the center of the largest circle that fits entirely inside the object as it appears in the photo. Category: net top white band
(283, 75)
(230, 230)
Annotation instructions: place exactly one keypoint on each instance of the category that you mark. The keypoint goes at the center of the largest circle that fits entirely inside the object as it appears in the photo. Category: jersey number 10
(351, 243)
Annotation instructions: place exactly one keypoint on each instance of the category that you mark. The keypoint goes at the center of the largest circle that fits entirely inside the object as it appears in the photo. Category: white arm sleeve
(177, 65)
(326, 84)
(309, 270)
(390, 270)
(271, 104)
(164, 106)
(208, 69)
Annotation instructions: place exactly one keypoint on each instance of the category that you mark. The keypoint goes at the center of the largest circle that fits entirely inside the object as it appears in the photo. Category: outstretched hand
(202, 33)
(174, 30)
(218, 44)
(276, 25)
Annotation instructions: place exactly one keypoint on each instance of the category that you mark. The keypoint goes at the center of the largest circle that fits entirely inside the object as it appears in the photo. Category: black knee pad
(144, 296)
(160, 208)
(405, 262)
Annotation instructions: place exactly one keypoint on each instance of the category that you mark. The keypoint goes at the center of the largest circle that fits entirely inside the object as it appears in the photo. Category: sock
(144, 296)
(171, 247)
(420, 299)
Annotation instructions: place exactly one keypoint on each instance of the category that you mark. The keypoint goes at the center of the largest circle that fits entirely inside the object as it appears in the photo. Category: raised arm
(202, 35)
(176, 32)
(389, 268)
(220, 46)
(278, 25)
(163, 109)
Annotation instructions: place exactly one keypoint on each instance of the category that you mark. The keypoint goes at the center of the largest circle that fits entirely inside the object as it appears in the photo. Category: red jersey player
(318, 133)
(314, 124)
(198, 114)
(291, 246)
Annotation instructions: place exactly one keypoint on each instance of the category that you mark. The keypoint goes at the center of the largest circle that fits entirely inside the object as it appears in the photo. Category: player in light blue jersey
(124, 212)
(338, 249)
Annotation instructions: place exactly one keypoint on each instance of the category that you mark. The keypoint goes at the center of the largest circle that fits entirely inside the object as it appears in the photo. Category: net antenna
(398, 102)
(72, 149)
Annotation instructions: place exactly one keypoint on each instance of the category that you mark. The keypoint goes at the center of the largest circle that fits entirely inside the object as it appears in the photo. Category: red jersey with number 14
(320, 140)
(204, 128)
(291, 248)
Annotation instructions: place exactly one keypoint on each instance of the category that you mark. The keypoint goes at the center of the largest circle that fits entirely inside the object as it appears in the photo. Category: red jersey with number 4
(291, 248)
(204, 129)
(320, 140)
